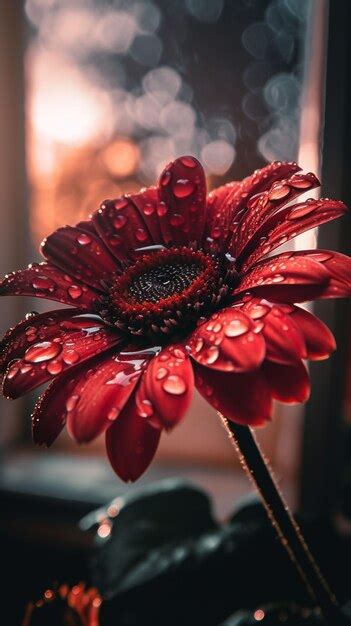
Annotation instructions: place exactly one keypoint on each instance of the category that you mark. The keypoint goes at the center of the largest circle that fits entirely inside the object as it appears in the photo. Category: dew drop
(31, 314)
(174, 385)
(199, 345)
(75, 292)
(13, 370)
(70, 357)
(84, 239)
(44, 351)
(42, 282)
(300, 183)
(148, 209)
(278, 278)
(177, 219)
(145, 408)
(141, 234)
(54, 367)
(112, 414)
(279, 192)
(236, 328)
(183, 188)
(119, 221)
(161, 373)
(71, 402)
(301, 211)
(215, 232)
(258, 310)
(212, 355)
(217, 327)
(121, 203)
(162, 209)
(166, 177)
(115, 240)
(188, 161)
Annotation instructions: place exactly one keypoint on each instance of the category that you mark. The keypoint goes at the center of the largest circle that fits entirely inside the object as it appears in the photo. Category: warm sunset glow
(121, 158)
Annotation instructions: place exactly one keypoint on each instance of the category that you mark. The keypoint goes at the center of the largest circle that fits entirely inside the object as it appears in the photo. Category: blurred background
(96, 96)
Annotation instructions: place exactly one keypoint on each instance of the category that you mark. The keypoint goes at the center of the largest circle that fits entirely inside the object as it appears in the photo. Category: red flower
(173, 289)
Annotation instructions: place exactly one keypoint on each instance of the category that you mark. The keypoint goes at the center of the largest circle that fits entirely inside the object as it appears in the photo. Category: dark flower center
(164, 293)
(163, 281)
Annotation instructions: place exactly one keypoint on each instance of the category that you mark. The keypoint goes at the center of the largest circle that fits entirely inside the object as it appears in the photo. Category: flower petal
(339, 269)
(148, 204)
(98, 397)
(76, 340)
(287, 383)
(289, 223)
(122, 228)
(42, 280)
(265, 204)
(287, 277)
(319, 340)
(25, 333)
(182, 189)
(131, 443)
(284, 341)
(228, 204)
(242, 398)
(80, 254)
(50, 413)
(228, 341)
(166, 387)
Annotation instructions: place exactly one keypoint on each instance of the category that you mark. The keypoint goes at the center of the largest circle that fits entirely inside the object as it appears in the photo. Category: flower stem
(282, 520)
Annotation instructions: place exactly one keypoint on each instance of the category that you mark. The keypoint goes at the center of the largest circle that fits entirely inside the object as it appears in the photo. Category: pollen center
(165, 292)
(163, 281)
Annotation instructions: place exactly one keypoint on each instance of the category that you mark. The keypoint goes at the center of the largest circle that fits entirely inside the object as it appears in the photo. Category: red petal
(42, 280)
(76, 340)
(80, 254)
(287, 277)
(339, 269)
(122, 228)
(227, 205)
(131, 443)
(242, 398)
(98, 397)
(25, 333)
(228, 341)
(320, 342)
(287, 383)
(289, 223)
(166, 388)
(284, 341)
(264, 205)
(148, 204)
(49, 415)
(182, 188)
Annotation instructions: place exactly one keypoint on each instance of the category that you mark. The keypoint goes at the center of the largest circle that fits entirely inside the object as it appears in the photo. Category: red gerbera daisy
(172, 288)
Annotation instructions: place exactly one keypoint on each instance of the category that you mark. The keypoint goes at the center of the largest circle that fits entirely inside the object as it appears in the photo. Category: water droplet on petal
(300, 183)
(13, 370)
(257, 311)
(119, 221)
(236, 328)
(112, 414)
(121, 203)
(145, 408)
(44, 351)
(199, 345)
(188, 161)
(279, 192)
(212, 355)
(75, 292)
(217, 327)
(166, 177)
(177, 219)
(141, 234)
(162, 209)
(54, 367)
(161, 373)
(84, 239)
(31, 314)
(70, 357)
(174, 385)
(71, 402)
(42, 282)
(215, 232)
(148, 209)
(301, 211)
(183, 188)
(278, 278)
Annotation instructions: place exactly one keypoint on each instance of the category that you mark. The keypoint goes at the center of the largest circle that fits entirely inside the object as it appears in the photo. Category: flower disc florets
(167, 291)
